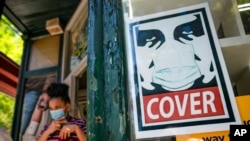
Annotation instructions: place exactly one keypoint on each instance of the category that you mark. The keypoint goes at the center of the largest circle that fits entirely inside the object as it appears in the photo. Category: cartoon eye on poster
(179, 82)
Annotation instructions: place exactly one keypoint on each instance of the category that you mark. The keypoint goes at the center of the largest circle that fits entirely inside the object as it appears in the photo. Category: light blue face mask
(55, 114)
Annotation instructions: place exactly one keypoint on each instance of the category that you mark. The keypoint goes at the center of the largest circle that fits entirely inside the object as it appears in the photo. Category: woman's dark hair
(59, 90)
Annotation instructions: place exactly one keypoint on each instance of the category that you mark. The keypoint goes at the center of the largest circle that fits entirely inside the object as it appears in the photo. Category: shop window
(44, 53)
(75, 41)
(244, 9)
(35, 108)
(79, 43)
(154, 31)
(11, 52)
(74, 62)
(81, 96)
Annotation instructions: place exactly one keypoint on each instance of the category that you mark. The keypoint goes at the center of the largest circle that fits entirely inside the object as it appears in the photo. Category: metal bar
(16, 124)
(42, 71)
(14, 19)
(60, 60)
(107, 103)
(115, 84)
(95, 74)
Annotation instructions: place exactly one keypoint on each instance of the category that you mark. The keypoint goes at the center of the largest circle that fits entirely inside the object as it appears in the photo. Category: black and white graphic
(175, 52)
(179, 84)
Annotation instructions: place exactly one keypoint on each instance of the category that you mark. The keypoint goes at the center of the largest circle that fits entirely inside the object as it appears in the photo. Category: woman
(63, 127)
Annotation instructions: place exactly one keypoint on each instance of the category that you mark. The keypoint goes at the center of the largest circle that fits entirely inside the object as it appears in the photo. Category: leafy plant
(6, 111)
(11, 42)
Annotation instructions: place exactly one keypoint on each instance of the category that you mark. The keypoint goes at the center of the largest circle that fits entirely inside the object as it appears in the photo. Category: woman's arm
(54, 126)
(80, 134)
(44, 136)
(72, 128)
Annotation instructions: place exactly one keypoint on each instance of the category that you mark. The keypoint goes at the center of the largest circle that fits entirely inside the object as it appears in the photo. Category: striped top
(72, 120)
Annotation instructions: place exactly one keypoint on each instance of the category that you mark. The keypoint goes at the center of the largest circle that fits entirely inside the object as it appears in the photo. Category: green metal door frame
(106, 81)
(17, 118)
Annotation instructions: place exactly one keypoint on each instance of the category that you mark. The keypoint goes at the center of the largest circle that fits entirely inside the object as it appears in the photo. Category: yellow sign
(213, 136)
(243, 106)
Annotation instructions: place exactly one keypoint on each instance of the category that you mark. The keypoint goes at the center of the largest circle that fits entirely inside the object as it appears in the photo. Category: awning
(30, 16)
(9, 71)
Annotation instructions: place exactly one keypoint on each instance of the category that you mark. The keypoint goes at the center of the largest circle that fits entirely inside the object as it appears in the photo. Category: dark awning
(30, 16)
(9, 71)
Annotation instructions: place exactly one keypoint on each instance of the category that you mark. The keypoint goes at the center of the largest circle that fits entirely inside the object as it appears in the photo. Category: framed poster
(35, 108)
(178, 80)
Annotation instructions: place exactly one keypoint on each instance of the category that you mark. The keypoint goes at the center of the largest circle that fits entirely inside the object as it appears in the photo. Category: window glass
(35, 113)
(154, 32)
(44, 53)
(79, 43)
(11, 52)
(81, 96)
(244, 9)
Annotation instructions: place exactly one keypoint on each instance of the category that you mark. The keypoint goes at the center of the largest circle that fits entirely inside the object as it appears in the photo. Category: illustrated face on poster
(180, 80)
(177, 54)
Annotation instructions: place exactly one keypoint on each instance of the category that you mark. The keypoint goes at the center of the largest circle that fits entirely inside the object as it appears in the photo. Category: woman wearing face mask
(63, 127)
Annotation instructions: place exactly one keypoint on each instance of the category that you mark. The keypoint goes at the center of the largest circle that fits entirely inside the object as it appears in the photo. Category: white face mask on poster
(174, 66)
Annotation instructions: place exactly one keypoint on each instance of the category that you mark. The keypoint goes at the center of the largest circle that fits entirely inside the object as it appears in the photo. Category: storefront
(145, 70)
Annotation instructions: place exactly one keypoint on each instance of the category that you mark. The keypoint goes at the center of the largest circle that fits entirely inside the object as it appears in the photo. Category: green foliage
(11, 42)
(6, 111)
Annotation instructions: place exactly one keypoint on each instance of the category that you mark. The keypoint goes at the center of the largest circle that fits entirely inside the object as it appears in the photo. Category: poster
(35, 108)
(178, 80)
